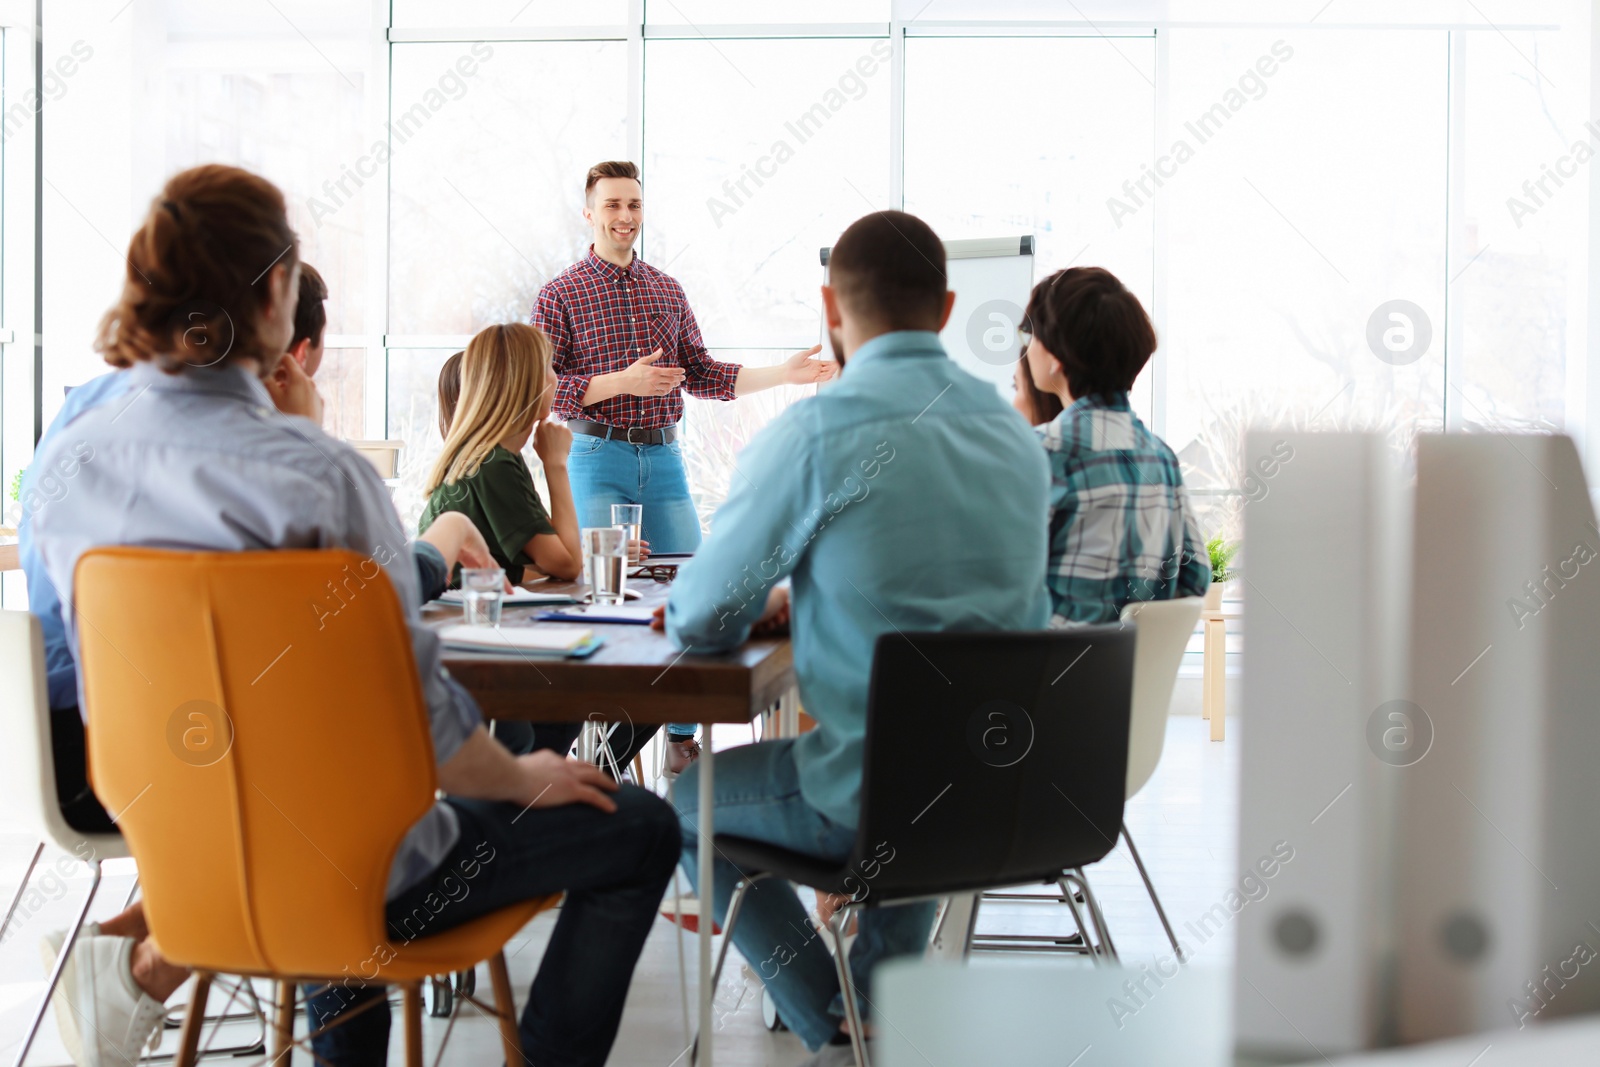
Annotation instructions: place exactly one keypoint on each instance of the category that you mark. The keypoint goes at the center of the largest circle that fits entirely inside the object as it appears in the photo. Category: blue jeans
(614, 869)
(757, 789)
(605, 472)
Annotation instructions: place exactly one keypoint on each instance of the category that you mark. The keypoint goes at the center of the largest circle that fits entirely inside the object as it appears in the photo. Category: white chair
(28, 782)
(31, 805)
(1164, 628)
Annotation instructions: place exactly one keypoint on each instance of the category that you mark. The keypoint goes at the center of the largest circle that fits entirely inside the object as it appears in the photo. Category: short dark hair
(449, 391)
(611, 168)
(1094, 327)
(310, 316)
(889, 267)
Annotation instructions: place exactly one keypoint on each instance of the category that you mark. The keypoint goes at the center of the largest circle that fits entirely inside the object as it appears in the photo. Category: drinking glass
(631, 518)
(605, 552)
(482, 590)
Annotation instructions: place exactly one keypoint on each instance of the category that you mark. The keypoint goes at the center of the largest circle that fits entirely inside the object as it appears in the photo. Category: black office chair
(992, 759)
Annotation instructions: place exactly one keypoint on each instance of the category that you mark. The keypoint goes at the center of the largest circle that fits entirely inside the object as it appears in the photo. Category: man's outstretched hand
(801, 369)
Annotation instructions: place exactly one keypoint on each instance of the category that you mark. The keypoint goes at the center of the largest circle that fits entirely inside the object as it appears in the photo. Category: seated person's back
(1121, 528)
(905, 496)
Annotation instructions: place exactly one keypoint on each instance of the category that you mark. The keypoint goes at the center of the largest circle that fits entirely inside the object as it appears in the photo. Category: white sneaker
(105, 1019)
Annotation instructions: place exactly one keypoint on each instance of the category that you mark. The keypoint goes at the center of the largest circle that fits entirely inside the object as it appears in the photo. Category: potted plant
(1221, 553)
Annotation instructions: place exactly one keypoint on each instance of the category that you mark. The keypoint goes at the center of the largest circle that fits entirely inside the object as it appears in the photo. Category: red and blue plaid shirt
(601, 317)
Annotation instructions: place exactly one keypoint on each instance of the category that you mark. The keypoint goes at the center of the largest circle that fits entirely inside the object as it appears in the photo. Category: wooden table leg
(1216, 676)
(708, 896)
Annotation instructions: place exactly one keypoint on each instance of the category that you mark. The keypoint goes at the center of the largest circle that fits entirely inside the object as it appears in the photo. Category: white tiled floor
(1183, 822)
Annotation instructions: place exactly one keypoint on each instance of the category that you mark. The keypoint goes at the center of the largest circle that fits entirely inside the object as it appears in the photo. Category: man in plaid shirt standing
(626, 348)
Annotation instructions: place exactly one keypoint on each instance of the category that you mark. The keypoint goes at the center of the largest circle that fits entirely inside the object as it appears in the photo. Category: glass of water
(482, 590)
(605, 556)
(631, 518)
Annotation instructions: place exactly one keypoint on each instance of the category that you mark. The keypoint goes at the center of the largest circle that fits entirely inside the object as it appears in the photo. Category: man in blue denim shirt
(908, 496)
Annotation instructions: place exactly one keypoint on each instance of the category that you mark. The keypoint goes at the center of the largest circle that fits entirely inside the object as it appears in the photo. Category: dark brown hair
(449, 391)
(199, 271)
(310, 316)
(1046, 406)
(611, 168)
(889, 267)
(1094, 327)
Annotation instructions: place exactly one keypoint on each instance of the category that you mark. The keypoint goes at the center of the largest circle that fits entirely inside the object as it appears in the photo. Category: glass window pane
(1007, 136)
(487, 188)
(413, 404)
(757, 154)
(410, 14)
(715, 431)
(743, 12)
(1517, 271)
(302, 127)
(342, 381)
(1295, 221)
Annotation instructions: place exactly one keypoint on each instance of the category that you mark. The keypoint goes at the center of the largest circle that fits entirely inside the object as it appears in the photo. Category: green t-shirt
(502, 503)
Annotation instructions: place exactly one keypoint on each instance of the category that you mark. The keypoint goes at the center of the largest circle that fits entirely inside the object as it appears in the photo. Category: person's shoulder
(565, 281)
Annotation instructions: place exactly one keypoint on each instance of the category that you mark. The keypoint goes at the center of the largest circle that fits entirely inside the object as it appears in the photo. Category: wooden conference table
(637, 676)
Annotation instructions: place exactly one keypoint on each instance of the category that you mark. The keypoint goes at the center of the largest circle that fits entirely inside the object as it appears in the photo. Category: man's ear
(300, 351)
(949, 306)
(830, 307)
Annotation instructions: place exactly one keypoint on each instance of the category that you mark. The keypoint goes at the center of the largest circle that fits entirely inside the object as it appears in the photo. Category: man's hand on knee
(551, 781)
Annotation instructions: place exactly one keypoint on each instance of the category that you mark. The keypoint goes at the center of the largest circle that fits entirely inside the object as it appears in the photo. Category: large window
(1338, 217)
(1294, 221)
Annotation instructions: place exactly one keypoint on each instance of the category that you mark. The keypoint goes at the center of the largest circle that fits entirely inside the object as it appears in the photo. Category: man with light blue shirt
(905, 497)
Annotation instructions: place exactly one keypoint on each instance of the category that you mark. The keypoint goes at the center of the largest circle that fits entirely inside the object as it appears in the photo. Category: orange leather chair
(258, 720)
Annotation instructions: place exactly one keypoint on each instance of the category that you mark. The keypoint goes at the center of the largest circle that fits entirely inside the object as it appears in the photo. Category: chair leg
(21, 888)
(1151, 889)
(1068, 897)
(1096, 916)
(193, 1021)
(283, 1026)
(847, 986)
(413, 1013)
(505, 1003)
(61, 962)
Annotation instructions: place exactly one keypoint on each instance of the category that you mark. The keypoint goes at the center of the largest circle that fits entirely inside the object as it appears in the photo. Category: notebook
(540, 640)
(601, 613)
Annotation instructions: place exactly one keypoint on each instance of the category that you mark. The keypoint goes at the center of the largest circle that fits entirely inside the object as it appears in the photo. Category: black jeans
(614, 870)
(521, 737)
(79, 806)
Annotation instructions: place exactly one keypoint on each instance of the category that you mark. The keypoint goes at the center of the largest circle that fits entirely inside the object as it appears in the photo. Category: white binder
(1499, 858)
(1324, 581)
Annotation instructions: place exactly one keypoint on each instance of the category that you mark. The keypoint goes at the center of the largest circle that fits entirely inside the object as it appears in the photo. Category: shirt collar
(223, 379)
(898, 343)
(1099, 402)
(607, 269)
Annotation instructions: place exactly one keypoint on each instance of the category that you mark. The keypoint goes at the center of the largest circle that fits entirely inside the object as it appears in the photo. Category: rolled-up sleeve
(704, 377)
(550, 315)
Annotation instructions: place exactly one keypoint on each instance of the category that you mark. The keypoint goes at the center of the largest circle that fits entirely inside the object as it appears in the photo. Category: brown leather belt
(634, 435)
